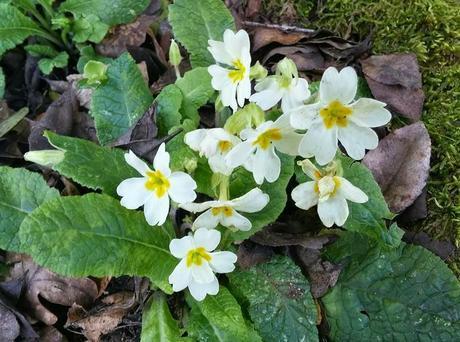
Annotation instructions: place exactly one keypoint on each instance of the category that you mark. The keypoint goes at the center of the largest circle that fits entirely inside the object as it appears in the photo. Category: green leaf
(401, 294)
(21, 191)
(111, 12)
(196, 91)
(89, 28)
(15, 27)
(2, 83)
(368, 218)
(93, 235)
(195, 22)
(120, 102)
(157, 323)
(41, 50)
(279, 300)
(219, 318)
(9, 123)
(169, 102)
(91, 165)
(87, 54)
(242, 181)
(47, 65)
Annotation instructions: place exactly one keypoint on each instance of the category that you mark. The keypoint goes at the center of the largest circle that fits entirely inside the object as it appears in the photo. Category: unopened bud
(94, 72)
(48, 158)
(174, 54)
(190, 165)
(258, 72)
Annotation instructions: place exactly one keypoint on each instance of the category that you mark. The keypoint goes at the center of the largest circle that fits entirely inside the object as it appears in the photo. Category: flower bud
(190, 165)
(174, 54)
(48, 158)
(94, 72)
(250, 115)
(258, 72)
(287, 68)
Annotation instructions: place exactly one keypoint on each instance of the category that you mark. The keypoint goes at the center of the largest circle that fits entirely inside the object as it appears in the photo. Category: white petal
(338, 86)
(268, 95)
(302, 117)
(228, 96)
(223, 262)
(304, 195)
(182, 187)
(181, 276)
(296, 95)
(161, 160)
(357, 139)
(243, 91)
(351, 192)
(236, 43)
(156, 210)
(369, 113)
(334, 210)
(218, 164)
(133, 192)
(289, 143)
(266, 164)
(194, 139)
(180, 247)
(203, 273)
(219, 52)
(207, 238)
(236, 221)
(251, 202)
(239, 154)
(206, 220)
(319, 141)
(220, 79)
(199, 207)
(137, 163)
(199, 291)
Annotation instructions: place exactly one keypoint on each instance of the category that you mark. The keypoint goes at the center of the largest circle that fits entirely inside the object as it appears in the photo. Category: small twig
(287, 28)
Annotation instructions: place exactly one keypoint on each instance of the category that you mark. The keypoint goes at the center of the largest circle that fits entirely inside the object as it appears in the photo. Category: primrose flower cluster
(310, 126)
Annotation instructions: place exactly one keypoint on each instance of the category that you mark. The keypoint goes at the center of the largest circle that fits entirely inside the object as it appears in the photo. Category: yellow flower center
(237, 74)
(264, 139)
(224, 145)
(327, 186)
(285, 81)
(227, 211)
(156, 181)
(196, 256)
(335, 114)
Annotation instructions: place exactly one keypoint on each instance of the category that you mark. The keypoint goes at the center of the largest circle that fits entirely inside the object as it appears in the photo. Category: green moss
(431, 29)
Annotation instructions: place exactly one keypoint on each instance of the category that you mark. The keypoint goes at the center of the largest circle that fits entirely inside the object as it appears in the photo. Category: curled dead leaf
(400, 165)
(266, 35)
(396, 80)
(250, 254)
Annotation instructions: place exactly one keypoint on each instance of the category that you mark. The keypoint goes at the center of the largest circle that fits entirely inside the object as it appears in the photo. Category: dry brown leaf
(250, 254)
(122, 36)
(51, 334)
(444, 249)
(264, 36)
(305, 57)
(400, 165)
(102, 320)
(9, 326)
(396, 80)
(42, 283)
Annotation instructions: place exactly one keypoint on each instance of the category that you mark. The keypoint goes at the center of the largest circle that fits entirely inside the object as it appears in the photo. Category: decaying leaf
(40, 283)
(250, 254)
(9, 326)
(265, 35)
(444, 249)
(322, 274)
(51, 334)
(305, 57)
(396, 80)
(400, 165)
(102, 320)
(416, 211)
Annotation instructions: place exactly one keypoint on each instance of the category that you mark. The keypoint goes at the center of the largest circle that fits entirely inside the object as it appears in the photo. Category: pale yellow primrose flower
(329, 192)
(230, 75)
(154, 189)
(226, 212)
(285, 86)
(198, 263)
(257, 151)
(337, 117)
(214, 144)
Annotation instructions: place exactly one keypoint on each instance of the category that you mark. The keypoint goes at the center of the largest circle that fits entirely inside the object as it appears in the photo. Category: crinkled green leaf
(219, 318)
(21, 191)
(168, 102)
(111, 12)
(47, 65)
(196, 90)
(157, 322)
(279, 300)
(121, 101)
(400, 294)
(41, 50)
(89, 28)
(242, 181)
(368, 218)
(93, 235)
(15, 27)
(195, 22)
(91, 165)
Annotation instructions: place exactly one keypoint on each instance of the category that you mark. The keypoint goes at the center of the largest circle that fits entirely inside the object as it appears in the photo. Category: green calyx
(250, 115)
(94, 72)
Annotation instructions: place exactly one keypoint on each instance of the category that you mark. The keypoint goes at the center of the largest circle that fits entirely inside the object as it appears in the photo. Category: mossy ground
(430, 29)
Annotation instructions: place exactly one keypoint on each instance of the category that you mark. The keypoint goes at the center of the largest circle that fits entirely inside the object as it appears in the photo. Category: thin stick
(278, 27)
